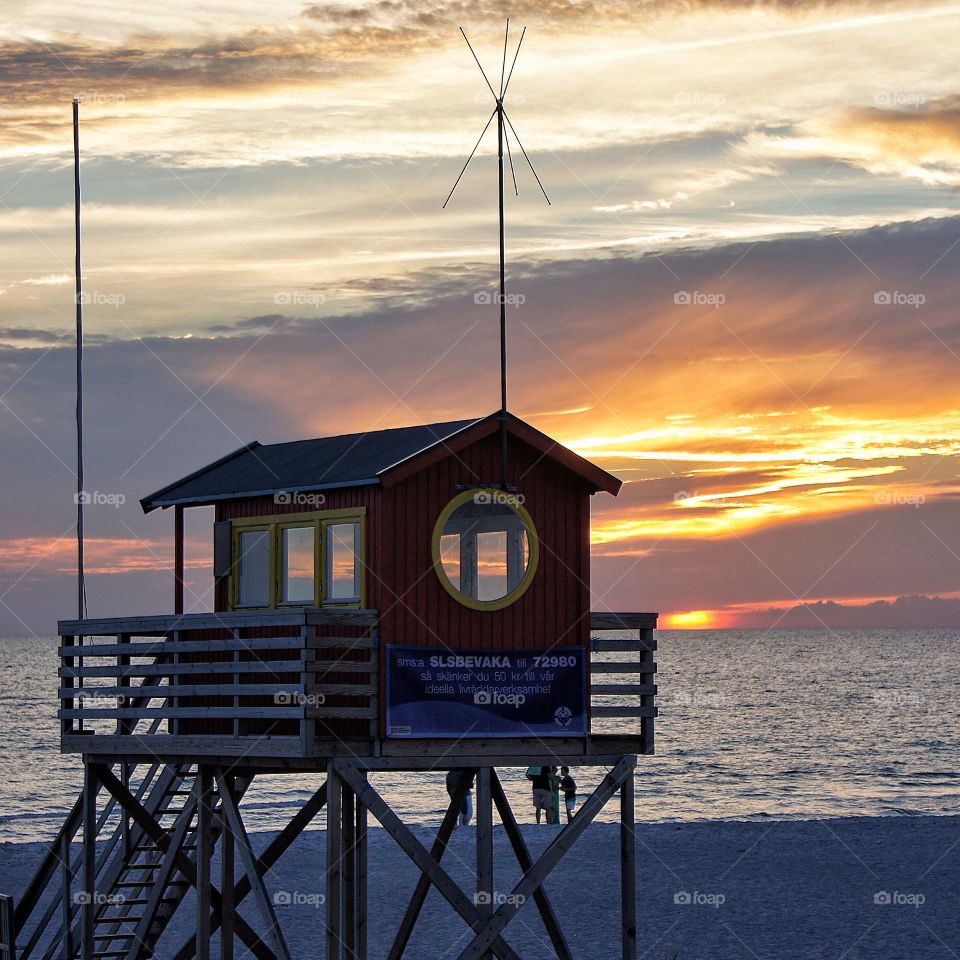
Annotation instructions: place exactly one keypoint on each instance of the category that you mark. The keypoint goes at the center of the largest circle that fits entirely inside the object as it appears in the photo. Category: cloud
(767, 420)
(920, 142)
(903, 613)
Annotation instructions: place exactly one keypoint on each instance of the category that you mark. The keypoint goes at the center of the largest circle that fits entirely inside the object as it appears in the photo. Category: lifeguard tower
(413, 599)
(381, 603)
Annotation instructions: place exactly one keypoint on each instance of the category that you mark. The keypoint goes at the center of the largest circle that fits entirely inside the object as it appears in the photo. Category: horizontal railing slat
(185, 713)
(158, 692)
(622, 621)
(293, 616)
(623, 710)
(169, 669)
(623, 666)
(623, 689)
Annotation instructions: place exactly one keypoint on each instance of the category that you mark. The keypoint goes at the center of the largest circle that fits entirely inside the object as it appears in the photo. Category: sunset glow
(741, 300)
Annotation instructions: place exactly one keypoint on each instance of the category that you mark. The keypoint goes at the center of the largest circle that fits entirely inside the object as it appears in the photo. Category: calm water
(754, 724)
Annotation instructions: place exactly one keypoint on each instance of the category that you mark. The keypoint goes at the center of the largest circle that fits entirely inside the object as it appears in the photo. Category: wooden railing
(631, 676)
(256, 683)
(288, 683)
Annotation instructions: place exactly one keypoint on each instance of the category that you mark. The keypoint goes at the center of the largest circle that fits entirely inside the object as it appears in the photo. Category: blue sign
(437, 692)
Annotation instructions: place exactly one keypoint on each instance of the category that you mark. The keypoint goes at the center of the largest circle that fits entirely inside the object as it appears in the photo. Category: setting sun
(690, 620)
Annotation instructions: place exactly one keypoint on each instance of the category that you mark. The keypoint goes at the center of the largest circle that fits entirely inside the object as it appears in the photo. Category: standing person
(540, 779)
(569, 787)
(554, 796)
(466, 812)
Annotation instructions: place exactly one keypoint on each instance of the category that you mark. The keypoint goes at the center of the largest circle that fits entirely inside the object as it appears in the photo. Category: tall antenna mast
(81, 584)
(503, 124)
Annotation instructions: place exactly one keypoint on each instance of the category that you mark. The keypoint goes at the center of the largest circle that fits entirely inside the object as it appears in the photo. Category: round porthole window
(485, 548)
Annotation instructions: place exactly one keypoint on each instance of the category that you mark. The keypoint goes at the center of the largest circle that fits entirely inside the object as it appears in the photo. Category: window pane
(297, 560)
(485, 548)
(343, 561)
(254, 568)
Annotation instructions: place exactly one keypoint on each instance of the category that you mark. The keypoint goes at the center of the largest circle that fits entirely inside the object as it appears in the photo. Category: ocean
(754, 725)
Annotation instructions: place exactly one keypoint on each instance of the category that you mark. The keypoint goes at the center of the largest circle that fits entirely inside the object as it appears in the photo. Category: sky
(740, 298)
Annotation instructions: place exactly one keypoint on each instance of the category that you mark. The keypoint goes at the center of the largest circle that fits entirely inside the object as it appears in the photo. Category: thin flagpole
(81, 585)
(504, 479)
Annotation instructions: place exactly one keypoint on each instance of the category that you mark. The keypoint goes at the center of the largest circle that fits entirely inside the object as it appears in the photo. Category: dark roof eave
(242, 494)
(152, 501)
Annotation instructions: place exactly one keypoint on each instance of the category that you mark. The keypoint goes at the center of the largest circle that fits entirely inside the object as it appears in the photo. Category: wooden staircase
(139, 885)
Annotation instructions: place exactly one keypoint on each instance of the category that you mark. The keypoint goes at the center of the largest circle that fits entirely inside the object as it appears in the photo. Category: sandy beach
(877, 888)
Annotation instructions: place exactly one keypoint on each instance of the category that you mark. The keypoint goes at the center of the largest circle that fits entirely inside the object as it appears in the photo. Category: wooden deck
(293, 688)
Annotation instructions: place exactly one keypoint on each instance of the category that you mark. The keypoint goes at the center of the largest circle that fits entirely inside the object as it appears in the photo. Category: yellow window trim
(275, 524)
(533, 560)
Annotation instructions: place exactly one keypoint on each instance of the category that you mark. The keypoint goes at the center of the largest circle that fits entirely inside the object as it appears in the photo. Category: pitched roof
(356, 459)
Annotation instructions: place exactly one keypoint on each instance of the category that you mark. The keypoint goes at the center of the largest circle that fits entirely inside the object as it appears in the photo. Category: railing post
(88, 906)
(8, 934)
(67, 724)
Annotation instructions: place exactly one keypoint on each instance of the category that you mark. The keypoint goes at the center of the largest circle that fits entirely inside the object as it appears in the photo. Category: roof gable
(357, 459)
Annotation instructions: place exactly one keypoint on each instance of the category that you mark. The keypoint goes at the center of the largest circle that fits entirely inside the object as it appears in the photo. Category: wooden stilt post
(227, 882)
(67, 895)
(485, 893)
(204, 843)
(348, 815)
(448, 889)
(628, 870)
(334, 862)
(361, 867)
(178, 559)
(88, 908)
(415, 905)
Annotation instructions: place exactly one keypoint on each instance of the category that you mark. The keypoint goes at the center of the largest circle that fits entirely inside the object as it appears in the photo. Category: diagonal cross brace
(533, 879)
(436, 851)
(274, 851)
(234, 823)
(407, 842)
(186, 866)
(522, 853)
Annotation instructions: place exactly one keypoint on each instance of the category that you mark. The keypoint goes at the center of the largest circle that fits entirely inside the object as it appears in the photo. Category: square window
(343, 562)
(297, 565)
(253, 566)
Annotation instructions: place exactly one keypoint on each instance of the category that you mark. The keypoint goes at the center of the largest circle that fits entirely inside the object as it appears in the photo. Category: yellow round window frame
(532, 560)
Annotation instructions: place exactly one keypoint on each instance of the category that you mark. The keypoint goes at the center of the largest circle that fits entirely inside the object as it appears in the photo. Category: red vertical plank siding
(402, 584)
(556, 605)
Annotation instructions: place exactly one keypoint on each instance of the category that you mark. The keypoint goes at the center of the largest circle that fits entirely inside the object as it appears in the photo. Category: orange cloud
(45, 555)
